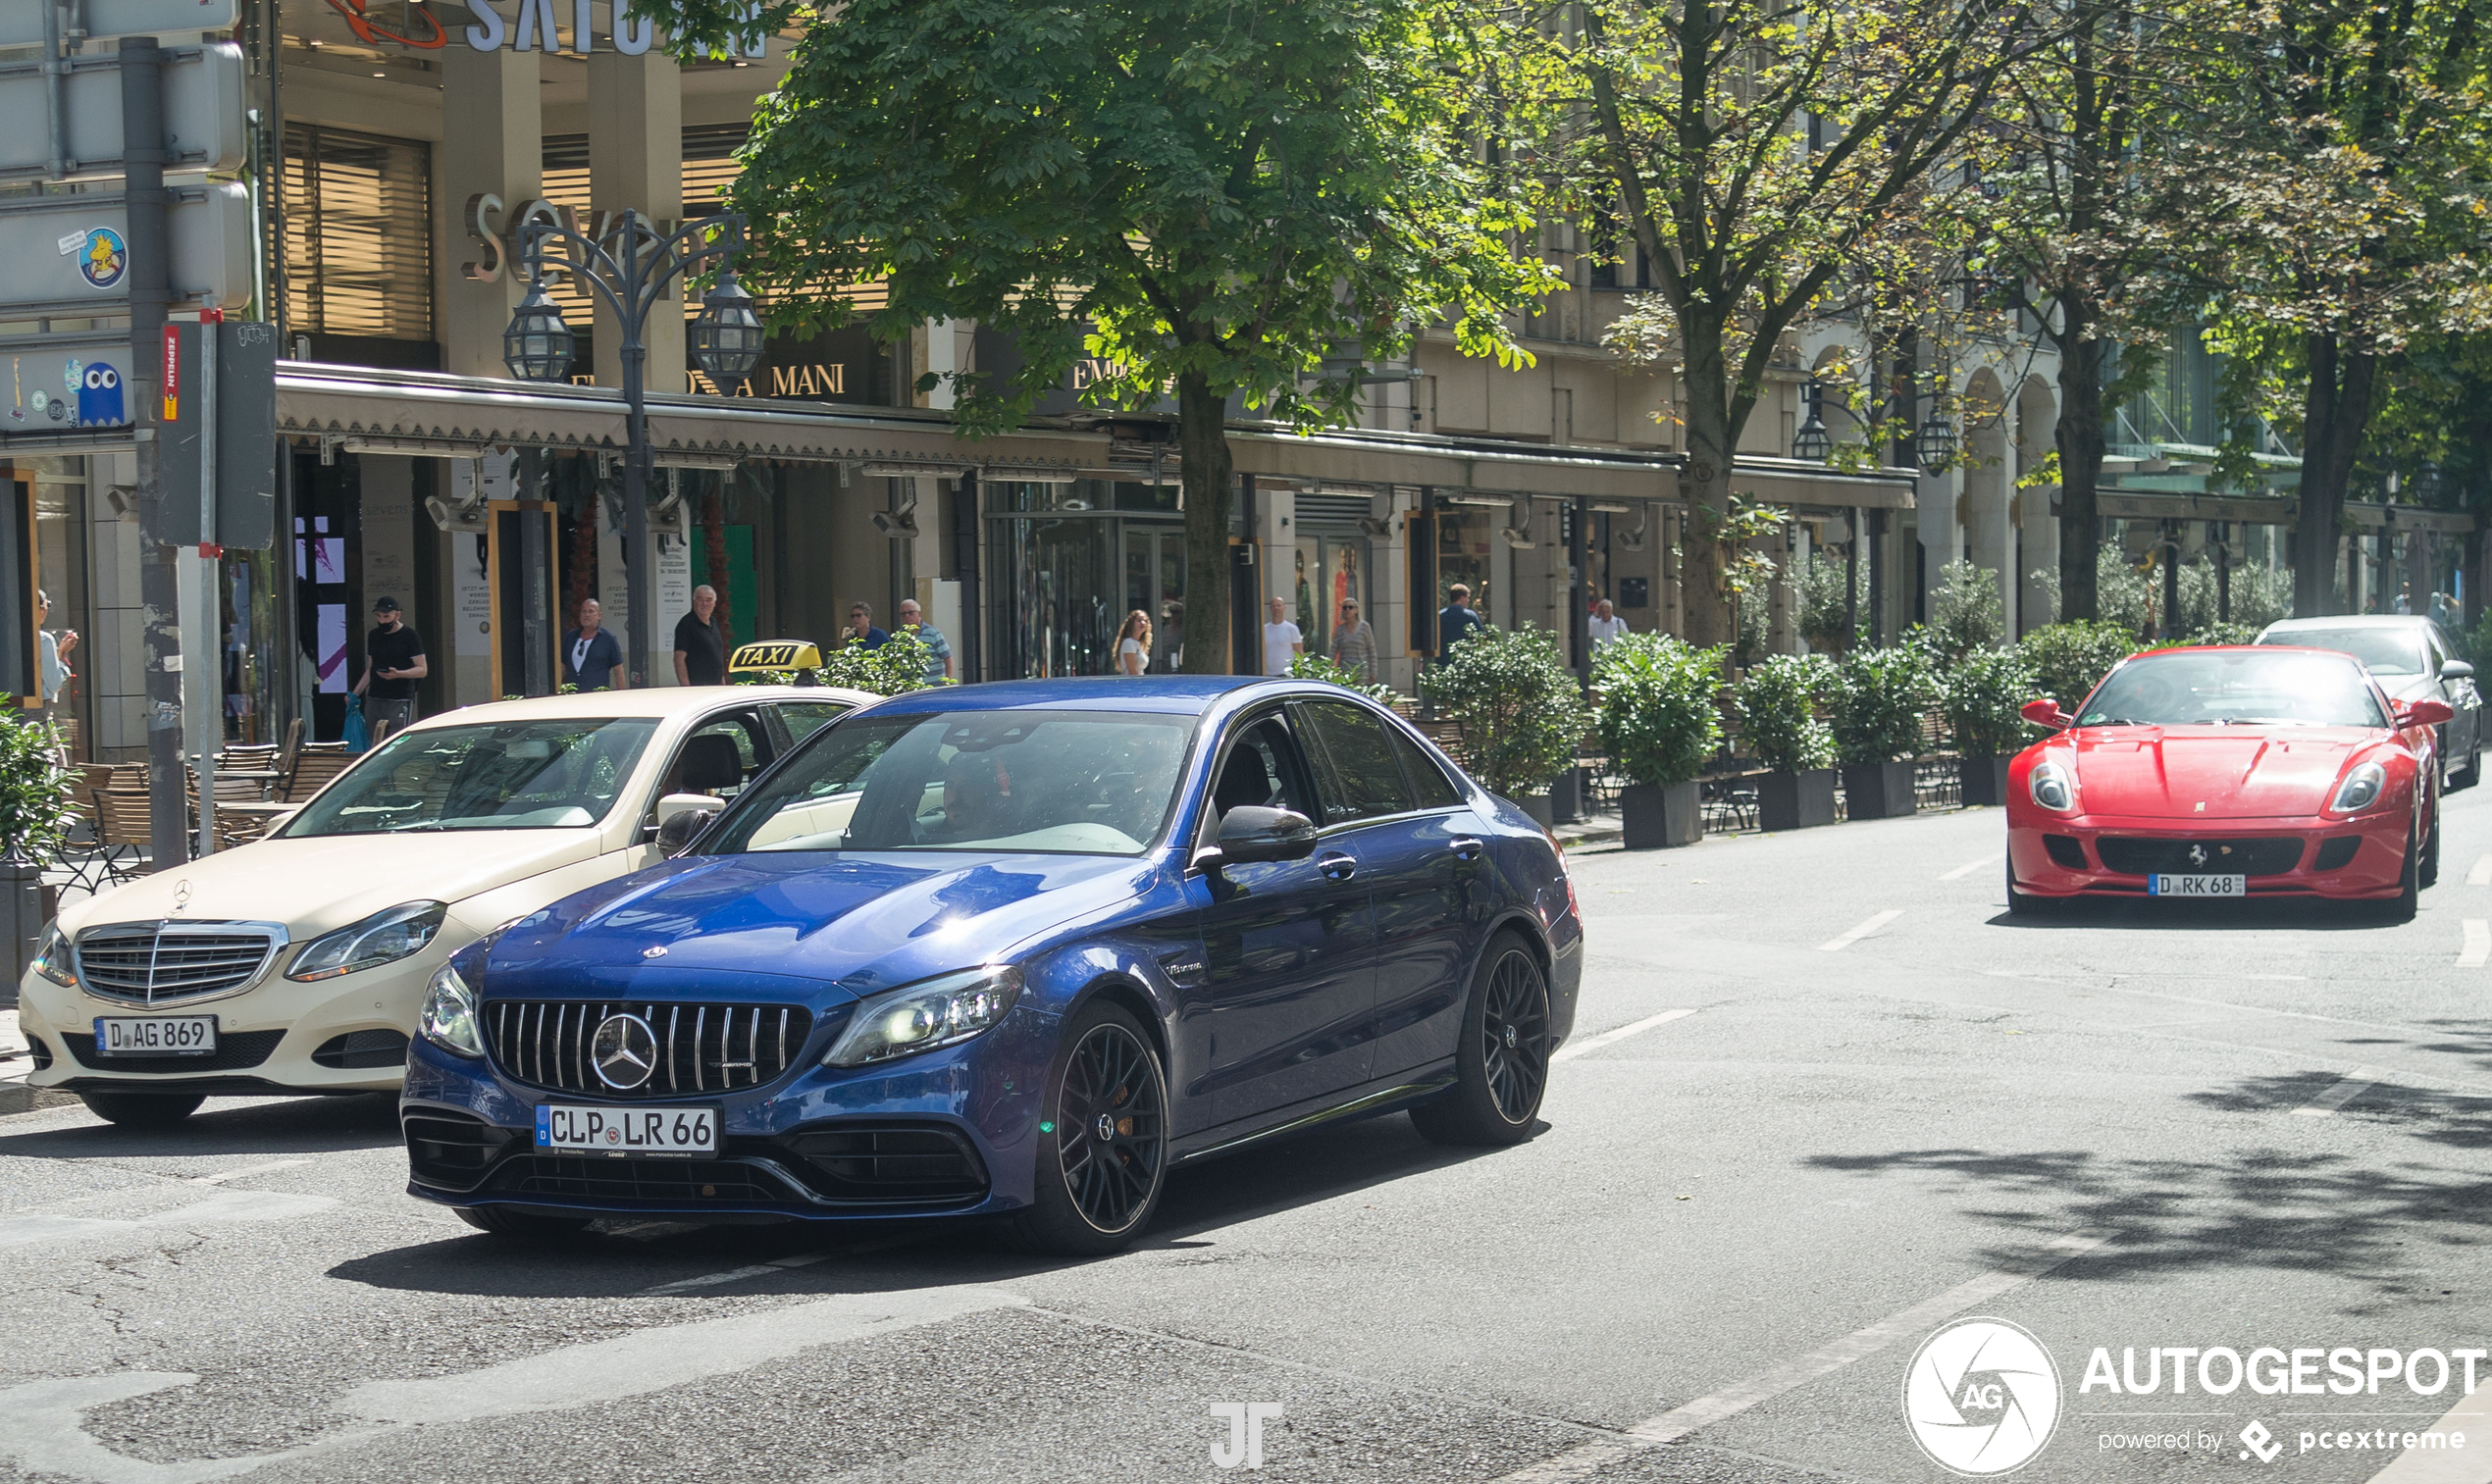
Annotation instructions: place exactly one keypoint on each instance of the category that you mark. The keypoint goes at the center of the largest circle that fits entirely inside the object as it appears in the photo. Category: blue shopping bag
(359, 734)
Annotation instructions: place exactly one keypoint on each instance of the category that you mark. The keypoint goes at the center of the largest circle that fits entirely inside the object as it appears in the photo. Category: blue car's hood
(865, 921)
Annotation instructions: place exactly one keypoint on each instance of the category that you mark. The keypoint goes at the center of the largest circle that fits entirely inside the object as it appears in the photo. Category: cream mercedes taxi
(297, 964)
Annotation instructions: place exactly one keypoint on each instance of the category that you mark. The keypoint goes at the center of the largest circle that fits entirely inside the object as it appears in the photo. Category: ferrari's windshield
(1089, 782)
(528, 775)
(2383, 650)
(2234, 687)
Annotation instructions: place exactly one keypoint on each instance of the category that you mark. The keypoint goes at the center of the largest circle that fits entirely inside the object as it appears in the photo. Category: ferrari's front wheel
(2401, 907)
(2427, 873)
(2021, 904)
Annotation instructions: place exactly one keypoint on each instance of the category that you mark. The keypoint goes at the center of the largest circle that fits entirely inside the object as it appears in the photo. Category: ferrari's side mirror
(2423, 713)
(2046, 713)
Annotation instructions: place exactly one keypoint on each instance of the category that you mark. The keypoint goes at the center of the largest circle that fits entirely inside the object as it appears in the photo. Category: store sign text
(533, 28)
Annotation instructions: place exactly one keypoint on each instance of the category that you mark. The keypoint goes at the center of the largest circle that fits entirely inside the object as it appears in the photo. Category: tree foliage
(1518, 708)
(1658, 718)
(1778, 713)
(36, 810)
(2071, 659)
(1982, 696)
(1875, 701)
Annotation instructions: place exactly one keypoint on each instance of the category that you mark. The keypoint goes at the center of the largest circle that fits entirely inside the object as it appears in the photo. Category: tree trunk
(1207, 474)
(2336, 410)
(2080, 438)
(1704, 483)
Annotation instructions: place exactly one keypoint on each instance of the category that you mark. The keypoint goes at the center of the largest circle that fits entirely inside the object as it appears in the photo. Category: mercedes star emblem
(624, 1051)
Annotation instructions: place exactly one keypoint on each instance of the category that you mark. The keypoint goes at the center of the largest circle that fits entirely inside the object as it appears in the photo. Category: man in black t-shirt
(393, 662)
(700, 650)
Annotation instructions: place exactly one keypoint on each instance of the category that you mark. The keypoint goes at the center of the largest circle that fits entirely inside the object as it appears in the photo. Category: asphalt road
(2132, 1129)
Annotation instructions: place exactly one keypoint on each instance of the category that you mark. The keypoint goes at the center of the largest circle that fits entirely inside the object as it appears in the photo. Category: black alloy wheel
(1103, 1155)
(2428, 873)
(1501, 1065)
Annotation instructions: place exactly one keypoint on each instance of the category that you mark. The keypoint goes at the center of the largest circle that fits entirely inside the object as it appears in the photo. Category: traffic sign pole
(159, 589)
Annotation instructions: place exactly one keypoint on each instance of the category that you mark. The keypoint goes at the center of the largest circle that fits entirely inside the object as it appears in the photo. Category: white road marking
(42, 1427)
(2478, 943)
(763, 1269)
(223, 1207)
(2481, 873)
(1580, 1047)
(1838, 944)
(2325, 1105)
(2444, 1465)
(653, 1360)
(1968, 868)
(270, 1168)
(1765, 1386)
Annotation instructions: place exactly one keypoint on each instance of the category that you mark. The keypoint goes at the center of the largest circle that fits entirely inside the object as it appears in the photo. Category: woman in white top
(1133, 644)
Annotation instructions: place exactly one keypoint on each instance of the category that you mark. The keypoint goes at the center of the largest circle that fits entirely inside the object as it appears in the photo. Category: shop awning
(430, 415)
(2270, 510)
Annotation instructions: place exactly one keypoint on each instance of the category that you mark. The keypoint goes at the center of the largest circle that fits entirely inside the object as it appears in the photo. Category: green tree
(1983, 696)
(1210, 199)
(2071, 659)
(1519, 707)
(1965, 610)
(1756, 152)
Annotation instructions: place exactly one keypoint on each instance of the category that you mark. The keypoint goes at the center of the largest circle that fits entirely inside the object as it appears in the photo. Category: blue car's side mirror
(1252, 832)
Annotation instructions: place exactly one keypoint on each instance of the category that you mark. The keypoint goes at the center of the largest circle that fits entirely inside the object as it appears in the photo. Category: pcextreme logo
(1980, 1396)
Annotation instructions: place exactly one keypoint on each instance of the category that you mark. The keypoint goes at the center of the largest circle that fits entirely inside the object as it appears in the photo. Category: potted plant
(1876, 698)
(1778, 719)
(35, 816)
(1517, 707)
(1981, 698)
(2071, 659)
(1658, 724)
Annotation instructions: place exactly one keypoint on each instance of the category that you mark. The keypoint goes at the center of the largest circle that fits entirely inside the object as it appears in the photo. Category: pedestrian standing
(1606, 625)
(1134, 645)
(1456, 621)
(860, 626)
(701, 649)
(591, 661)
(1354, 642)
(938, 648)
(393, 662)
(1281, 640)
(57, 674)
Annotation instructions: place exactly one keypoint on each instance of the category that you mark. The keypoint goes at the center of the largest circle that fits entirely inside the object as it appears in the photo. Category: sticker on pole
(103, 257)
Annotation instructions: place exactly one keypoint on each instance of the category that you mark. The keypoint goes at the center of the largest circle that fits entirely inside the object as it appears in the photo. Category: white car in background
(297, 963)
(2413, 659)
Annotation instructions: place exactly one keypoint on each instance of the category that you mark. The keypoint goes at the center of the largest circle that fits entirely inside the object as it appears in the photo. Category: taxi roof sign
(775, 655)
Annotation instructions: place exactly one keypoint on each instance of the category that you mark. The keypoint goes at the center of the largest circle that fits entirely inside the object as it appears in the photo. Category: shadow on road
(2302, 914)
(277, 1126)
(628, 1258)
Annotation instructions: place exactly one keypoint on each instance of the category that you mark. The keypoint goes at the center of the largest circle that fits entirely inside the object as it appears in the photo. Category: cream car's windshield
(525, 775)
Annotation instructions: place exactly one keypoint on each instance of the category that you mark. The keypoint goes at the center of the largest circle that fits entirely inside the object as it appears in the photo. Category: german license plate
(155, 1035)
(624, 1131)
(2197, 885)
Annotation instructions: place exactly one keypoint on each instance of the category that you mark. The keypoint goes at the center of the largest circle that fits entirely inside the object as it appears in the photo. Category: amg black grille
(235, 1051)
(2067, 853)
(451, 1149)
(363, 1049)
(701, 1048)
(161, 962)
(689, 1180)
(2138, 856)
(2338, 854)
(919, 1164)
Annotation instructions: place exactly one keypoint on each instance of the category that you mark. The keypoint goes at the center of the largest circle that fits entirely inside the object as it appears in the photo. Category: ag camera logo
(1980, 1396)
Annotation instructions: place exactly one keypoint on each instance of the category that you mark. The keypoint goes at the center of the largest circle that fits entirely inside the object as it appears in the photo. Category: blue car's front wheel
(1103, 1150)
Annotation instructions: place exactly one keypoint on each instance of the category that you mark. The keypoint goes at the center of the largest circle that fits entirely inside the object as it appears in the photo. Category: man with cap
(393, 662)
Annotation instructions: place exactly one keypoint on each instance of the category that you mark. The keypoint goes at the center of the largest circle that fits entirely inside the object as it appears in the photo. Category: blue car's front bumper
(945, 1132)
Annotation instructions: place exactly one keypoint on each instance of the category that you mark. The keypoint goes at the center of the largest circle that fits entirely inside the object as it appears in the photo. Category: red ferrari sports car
(2229, 772)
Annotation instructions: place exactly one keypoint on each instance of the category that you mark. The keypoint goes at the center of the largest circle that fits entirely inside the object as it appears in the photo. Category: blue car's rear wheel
(1103, 1150)
(1501, 1066)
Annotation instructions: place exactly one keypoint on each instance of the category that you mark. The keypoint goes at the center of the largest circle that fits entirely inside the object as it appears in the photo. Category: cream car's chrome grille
(165, 962)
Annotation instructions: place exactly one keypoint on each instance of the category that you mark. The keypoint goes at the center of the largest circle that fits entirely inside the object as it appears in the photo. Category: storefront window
(1070, 565)
(358, 236)
(1462, 555)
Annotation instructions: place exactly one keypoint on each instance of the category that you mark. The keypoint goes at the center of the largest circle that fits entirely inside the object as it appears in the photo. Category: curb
(19, 1097)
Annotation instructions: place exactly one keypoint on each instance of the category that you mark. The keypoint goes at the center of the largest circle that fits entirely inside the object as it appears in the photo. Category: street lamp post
(631, 268)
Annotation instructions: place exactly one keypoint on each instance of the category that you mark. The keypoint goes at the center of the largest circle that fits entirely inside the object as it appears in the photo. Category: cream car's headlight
(385, 936)
(931, 1013)
(448, 1018)
(52, 957)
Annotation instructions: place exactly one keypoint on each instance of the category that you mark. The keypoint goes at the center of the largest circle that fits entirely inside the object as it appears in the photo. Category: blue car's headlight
(449, 1020)
(385, 936)
(922, 1016)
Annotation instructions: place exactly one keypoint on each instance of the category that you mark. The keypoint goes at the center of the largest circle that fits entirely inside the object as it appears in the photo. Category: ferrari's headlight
(2053, 788)
(52, 957)
(2360, 790)
(922, 1016)
(383, 937)
(449, 1020)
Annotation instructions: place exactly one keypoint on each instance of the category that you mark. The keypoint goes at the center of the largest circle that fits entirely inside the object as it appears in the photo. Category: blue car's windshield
(1087, 782)
(2234, 687)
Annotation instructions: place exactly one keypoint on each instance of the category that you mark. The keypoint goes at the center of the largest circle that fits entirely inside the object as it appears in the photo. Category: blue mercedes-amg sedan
(1010, 950)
